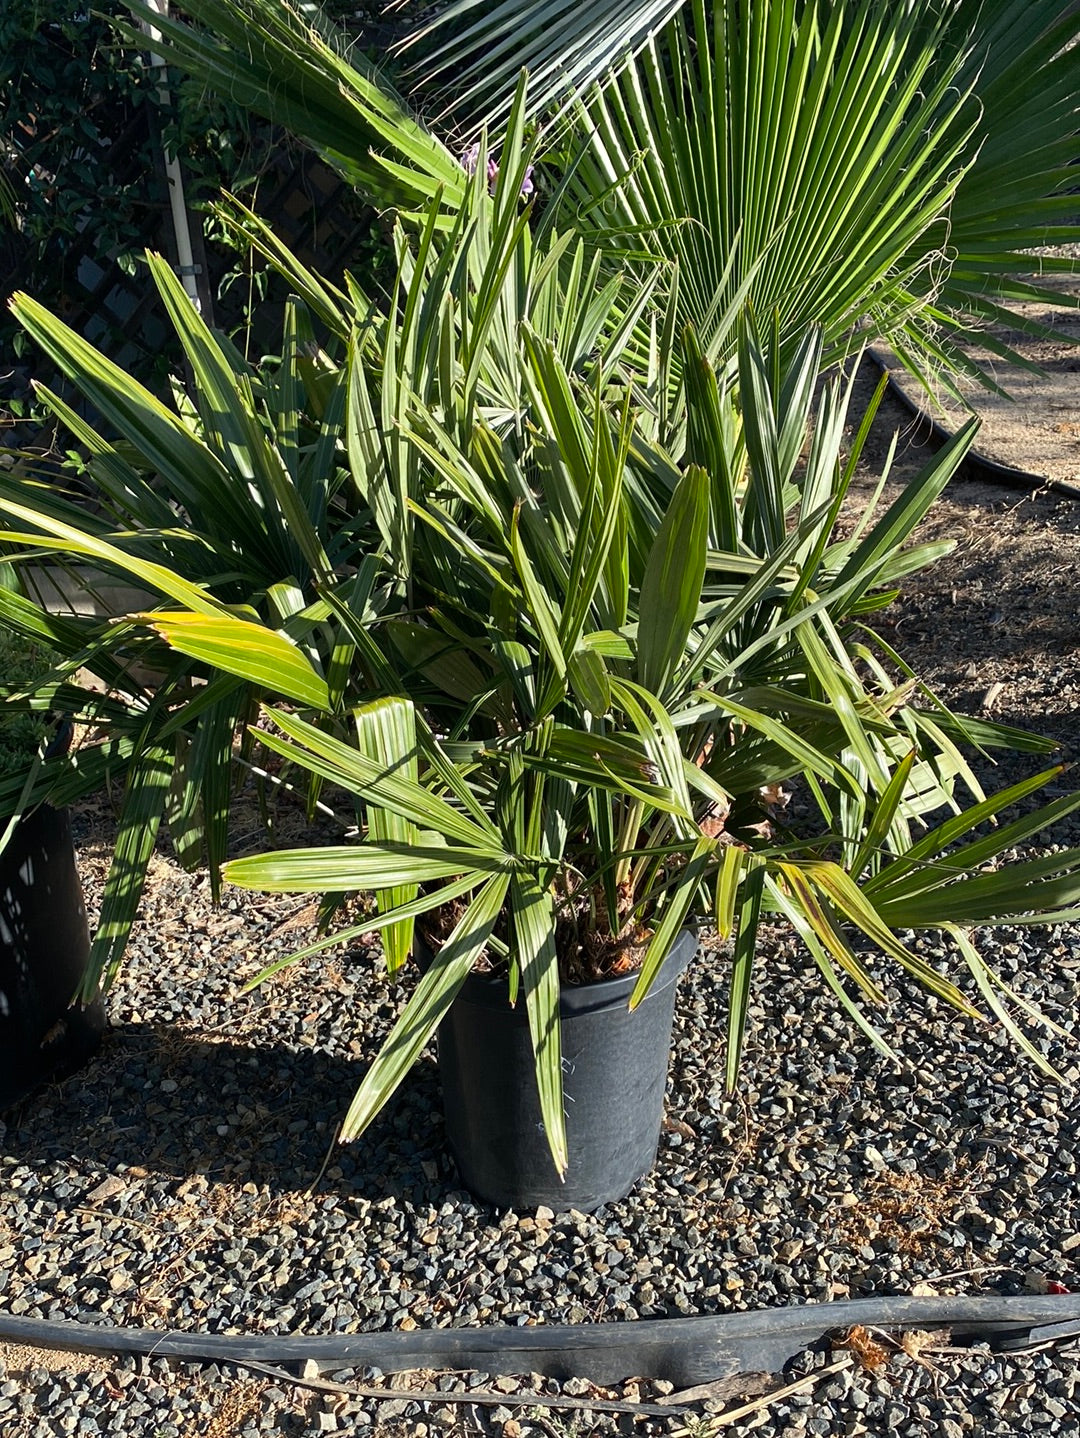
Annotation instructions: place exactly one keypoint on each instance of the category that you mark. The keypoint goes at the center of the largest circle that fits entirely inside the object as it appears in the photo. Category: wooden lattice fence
(312, 210)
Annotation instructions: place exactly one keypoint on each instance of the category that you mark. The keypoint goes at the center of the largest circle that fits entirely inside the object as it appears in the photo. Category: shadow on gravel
(173, 1102)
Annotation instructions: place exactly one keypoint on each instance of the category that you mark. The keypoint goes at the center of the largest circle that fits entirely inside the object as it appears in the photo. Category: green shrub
(23, 665)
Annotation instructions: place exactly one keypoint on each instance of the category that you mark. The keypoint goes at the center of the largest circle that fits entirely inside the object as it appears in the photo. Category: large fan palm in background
(878, 169)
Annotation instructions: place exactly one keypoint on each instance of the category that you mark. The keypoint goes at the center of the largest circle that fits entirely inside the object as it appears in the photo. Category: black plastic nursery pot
(44, 945)
(615, 1066)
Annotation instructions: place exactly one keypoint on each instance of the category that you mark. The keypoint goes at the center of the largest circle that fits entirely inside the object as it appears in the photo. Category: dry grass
(208, 1209)
(911, 1208)
(241, 1403)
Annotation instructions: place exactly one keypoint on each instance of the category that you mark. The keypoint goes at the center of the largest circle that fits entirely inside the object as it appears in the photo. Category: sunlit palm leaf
(822, 156)
(671, 584)
(675, 915)
(358, 869)
(820, 955)
(987, 982)
(434, 897)
(473, 52)
(533, 910)
(250, 651)
(386, 732)
(842, 891)
(750, 895)
(67, 540)
(341, 764)
(921, 866)
(1018, 195)
(263, 54)
(427, 1007)
(192, 470)
(228, 415)
(820, 920)
(145, 795)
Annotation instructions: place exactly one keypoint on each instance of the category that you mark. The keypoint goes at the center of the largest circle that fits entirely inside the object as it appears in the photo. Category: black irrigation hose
(685, 1351)
(976, 466)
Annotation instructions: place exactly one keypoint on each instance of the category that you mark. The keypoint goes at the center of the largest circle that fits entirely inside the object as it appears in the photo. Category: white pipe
(185, 257)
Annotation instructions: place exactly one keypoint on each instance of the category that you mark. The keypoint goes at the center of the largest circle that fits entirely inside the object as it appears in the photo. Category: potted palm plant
(44, 938)
(586, 613)
(261, 495)
(668, 173)
(611, 629)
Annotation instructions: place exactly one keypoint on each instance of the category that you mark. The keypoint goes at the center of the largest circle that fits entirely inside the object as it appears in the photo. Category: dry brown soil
(995, 626)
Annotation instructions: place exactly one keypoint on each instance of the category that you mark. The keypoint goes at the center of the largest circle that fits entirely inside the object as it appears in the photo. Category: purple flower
(470, 159)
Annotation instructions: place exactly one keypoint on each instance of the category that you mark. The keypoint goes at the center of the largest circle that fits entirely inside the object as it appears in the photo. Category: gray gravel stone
(827, 1175)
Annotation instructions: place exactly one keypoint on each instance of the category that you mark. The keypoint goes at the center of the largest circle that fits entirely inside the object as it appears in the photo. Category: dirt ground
(994, 626)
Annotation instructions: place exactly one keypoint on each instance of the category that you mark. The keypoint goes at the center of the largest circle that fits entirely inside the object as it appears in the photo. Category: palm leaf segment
(820, 157)
(268, 58)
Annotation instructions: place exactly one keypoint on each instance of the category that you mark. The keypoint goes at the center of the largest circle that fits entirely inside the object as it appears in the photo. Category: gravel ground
(179, 1181)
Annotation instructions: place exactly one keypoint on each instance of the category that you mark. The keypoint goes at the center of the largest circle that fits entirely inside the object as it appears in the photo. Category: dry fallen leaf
(868, 1352)
(918, 1339)
(108, 1188)
(775, 796)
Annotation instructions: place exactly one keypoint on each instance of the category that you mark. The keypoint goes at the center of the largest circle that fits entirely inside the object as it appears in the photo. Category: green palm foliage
(856, 165)
(597, 705)
(597, 659)
(261, 500)
(821, 158)
(268, 57)
(470, 56)
(544, 580)
(1024, 67)
(232, 504)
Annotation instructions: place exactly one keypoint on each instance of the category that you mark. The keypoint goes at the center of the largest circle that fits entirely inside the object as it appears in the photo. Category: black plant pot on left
(44, 944)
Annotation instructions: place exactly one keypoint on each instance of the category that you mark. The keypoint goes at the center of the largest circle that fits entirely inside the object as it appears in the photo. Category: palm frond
(265, 56)
(466, 58)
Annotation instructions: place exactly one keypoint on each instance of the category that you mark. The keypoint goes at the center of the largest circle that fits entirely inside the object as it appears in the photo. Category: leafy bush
(63, 98)
(23, 665)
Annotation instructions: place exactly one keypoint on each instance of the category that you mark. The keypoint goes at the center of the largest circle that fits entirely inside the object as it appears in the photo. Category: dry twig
(733, 1415)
